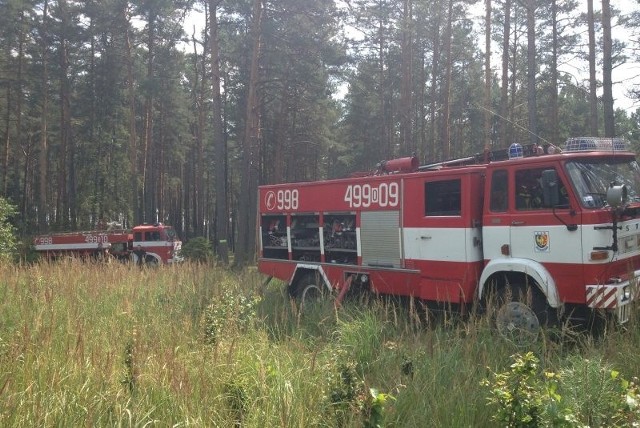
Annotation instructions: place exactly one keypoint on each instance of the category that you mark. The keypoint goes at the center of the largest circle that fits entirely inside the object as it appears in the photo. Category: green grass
(113, 345)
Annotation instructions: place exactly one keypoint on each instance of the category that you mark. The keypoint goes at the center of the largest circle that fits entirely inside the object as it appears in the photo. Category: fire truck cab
(553, 233)
(159, 243)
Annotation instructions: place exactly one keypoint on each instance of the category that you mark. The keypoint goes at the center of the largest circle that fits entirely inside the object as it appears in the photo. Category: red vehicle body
(563, 224)
(159, 243)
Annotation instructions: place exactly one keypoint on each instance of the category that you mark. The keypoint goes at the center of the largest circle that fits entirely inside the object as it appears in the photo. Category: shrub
(8, 242)
(230, 313)
(599, 395)
(527, 397)
(197, 250)
(374, 409)
(588, 393)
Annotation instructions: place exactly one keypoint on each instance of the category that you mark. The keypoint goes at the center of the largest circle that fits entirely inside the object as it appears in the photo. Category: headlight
(626, 293)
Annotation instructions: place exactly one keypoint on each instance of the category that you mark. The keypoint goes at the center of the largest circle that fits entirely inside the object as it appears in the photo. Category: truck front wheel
(520, 312)
(151, 261)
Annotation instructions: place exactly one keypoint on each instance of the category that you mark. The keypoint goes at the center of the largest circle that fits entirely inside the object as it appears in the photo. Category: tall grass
(86, 344)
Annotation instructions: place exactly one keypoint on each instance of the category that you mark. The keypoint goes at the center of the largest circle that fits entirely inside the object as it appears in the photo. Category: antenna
(512, 123)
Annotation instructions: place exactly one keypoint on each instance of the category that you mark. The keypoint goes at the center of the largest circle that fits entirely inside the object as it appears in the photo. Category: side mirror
(550, 191)
(617, 195)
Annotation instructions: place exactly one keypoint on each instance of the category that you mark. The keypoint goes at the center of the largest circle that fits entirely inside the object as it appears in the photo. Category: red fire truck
(151, 243)
(553, 234)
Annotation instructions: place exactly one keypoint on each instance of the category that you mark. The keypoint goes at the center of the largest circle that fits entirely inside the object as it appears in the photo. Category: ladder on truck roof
(410, 164)
(515, 150)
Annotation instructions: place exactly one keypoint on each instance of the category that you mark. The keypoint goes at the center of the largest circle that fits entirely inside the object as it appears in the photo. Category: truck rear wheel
(520, 313)
(309, 291)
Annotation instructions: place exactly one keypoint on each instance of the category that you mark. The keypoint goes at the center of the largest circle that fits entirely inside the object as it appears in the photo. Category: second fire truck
(147, 243)
(552, 234)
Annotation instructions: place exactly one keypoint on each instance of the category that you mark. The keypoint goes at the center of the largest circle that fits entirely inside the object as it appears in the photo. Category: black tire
(150, 261)
(309, 291)
(520, 312)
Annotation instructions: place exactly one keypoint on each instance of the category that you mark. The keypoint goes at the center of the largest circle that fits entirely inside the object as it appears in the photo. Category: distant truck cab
(159, 242)
(553, 234)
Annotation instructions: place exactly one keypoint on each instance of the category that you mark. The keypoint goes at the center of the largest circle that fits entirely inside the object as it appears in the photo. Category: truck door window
(499, 191)
(152, 236)
(442, 198)
(528, 189)
(529, 195)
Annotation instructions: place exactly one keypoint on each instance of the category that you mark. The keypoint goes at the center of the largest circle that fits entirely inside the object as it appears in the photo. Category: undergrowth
(104, 345)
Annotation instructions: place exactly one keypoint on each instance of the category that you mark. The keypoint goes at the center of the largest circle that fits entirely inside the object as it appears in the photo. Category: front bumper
(615, 297)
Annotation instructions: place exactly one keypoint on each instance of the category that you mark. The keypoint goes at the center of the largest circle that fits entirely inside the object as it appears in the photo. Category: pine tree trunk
(67, 219)
(504, 88)
(593, 78)
(19, 103)
(148, 185)
(218, 139)
(487, 74)
(43, 159)
(446, 90)
(133, 150)
(531, 72)
(407, 145)
(607, 69)
(251, 145)
(554, 74)
(435, 72)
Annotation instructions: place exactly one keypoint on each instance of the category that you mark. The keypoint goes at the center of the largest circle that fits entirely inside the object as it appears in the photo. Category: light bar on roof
(587, 144)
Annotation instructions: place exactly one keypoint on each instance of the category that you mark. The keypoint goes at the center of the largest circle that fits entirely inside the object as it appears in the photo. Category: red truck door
(442, 234)
(546, 236)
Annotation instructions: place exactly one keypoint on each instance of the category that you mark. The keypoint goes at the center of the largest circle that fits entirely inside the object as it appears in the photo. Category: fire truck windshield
(171, 234)
(591, 179)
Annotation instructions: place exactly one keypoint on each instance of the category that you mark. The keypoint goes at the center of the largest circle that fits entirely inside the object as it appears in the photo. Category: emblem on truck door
(542, 242)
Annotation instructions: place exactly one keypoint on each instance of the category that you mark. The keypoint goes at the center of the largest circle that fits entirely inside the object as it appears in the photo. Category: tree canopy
(122, 110)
